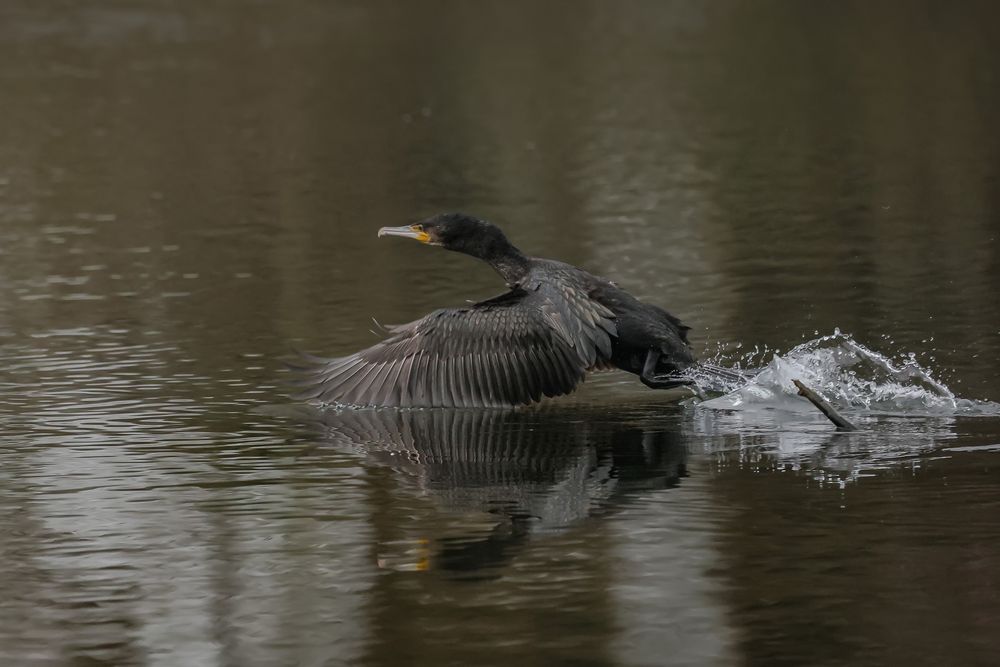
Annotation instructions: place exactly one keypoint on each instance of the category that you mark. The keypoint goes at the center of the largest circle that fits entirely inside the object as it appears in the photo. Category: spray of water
(844, 372)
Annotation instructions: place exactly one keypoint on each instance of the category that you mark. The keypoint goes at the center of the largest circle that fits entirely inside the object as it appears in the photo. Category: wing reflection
(526, 472)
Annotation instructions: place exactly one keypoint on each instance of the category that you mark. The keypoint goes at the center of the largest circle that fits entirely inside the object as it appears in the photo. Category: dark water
(187, 191)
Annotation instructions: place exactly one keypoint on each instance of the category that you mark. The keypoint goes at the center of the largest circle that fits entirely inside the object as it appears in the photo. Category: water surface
(187, 192)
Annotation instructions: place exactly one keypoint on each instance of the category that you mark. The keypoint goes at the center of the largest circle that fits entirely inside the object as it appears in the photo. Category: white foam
(850, 376)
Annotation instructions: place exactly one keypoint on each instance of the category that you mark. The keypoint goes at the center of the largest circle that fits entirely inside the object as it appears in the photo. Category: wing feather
(503, 382)
(510, 350)
(378, 382)
(404, 386)
(421, 381)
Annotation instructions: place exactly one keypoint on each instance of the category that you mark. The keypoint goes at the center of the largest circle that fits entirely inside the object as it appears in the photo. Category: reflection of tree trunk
(226, 590)
(865, 574)
(50, 612)
(840, 158)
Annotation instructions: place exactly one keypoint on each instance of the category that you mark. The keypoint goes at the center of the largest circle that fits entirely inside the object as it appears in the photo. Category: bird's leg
(651, 379)
(649, 368)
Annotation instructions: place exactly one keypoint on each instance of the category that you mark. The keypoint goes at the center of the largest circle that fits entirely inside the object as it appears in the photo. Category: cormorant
(556, 323)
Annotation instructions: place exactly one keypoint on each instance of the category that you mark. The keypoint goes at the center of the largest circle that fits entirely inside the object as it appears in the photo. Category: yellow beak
(409, 231)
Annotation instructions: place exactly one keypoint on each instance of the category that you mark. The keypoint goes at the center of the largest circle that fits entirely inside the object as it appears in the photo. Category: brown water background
(190, 190)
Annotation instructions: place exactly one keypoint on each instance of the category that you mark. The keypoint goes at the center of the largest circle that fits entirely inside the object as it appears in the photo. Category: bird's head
(458, 232)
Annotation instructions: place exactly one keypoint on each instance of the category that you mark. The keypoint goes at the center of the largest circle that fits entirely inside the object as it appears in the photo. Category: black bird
(556, 323)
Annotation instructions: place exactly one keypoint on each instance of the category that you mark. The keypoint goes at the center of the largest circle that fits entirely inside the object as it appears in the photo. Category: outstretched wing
(507, 351)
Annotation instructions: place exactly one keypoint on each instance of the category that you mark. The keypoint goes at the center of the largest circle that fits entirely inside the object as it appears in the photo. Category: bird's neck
(511, 264)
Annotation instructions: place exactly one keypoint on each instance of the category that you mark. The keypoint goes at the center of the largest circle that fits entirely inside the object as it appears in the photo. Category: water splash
(846, 373)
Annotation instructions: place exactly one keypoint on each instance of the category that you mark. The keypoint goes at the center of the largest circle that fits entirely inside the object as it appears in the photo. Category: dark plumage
(541, 338)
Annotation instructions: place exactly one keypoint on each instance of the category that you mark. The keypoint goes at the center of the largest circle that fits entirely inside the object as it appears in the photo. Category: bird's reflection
(528, 472)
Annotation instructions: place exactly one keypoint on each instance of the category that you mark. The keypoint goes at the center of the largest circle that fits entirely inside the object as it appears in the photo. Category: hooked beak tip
(409, 231)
